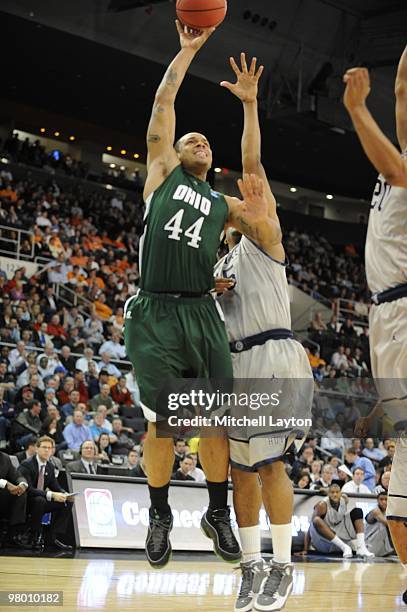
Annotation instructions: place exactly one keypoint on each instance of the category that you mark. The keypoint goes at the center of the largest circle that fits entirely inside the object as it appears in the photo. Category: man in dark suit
(13, 499)
(86, 464)
(46, 495)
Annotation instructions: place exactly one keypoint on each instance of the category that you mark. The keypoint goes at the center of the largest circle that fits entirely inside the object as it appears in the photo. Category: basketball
(200, 14)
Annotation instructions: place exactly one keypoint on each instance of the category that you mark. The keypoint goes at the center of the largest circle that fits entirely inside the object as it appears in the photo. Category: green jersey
(184, 222)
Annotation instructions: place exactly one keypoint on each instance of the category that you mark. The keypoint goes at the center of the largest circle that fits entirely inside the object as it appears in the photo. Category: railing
(358, 311)
(16, 253)
(71, 298)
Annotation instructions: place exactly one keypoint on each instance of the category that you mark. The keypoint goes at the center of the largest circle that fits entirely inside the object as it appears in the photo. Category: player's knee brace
(356, 514)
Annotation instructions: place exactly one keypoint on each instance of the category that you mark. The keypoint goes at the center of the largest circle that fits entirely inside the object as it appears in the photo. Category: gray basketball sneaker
(253, 575)
(276, 587)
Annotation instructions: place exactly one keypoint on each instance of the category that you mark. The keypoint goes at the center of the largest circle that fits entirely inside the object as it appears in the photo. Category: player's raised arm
(381, 152)
(246, 88)
(252, 216)
(401, 101)
(162, 157)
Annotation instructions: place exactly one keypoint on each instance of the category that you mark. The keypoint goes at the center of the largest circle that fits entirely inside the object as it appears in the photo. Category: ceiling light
(329, 197)
(112, 165)
(109, 148)
(122, 167)
(42, 130)
(136, 155)
(123, 151)
(72, 138)
(56, 133)
(293, 189)
(109, 187)
(218, 170)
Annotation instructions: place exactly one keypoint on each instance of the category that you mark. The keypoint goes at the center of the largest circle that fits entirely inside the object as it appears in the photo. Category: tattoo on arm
(153, 138)
(172, 78)
(158, 109)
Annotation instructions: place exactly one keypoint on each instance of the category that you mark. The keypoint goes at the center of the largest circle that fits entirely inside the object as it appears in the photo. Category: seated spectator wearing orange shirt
(101, 308)
(315, 360)
(78, 258)
(75, 277)
(8, 193)
(94, 279)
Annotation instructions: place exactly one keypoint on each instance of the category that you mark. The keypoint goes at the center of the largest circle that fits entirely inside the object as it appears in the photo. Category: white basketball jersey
(386, 242)
(259, 300)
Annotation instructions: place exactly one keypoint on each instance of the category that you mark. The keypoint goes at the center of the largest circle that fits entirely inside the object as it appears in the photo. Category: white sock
(360, 540)
(338, 542)
(281, 536)
(250, 541)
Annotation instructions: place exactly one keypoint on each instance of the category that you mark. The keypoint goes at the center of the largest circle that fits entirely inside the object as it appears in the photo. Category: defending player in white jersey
(386, 271)
(257, 316)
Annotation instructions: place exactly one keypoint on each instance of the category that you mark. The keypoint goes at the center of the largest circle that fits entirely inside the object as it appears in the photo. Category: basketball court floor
(97, 581)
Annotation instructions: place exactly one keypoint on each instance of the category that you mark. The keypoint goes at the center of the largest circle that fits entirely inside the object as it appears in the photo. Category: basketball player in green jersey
(173, 328)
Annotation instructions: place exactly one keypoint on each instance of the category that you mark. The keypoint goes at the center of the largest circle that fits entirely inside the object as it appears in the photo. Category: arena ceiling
(100, 61)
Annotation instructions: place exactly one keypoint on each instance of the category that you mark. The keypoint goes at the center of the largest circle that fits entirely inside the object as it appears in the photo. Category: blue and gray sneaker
(158, 545)
(253, 575)
(276, 587)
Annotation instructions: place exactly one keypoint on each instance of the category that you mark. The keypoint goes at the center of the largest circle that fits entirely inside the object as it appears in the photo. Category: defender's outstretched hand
(357, 87)
(246, 85)
(192, 39)
(255, 205)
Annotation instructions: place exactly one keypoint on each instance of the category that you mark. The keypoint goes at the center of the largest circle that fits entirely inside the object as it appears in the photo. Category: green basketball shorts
(171, 338)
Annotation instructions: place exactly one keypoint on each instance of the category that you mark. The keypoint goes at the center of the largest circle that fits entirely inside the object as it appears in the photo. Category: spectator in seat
(52, 358)
(344, 475)
(104, 450)
(64, 394)
(77, 432)
(13, 499)
(339, 358)
(75, 342)
(304, 462)
(347, 330)
(352, 461)
(383, 484)
(66, 359)
(80, 385)
(124, 442)
(327, 474)
(333, 528)
(371, 452)
(74, 399)
(388, 459)
(356, 484)
(113, 348)
(120, 393)
(184, 471)
(196, 472)
(317, 323)
(53, 428)
(46, 495)
(103, 398)
(315, 473)
(83, 362)
(97, 427)
(105, 364)
(303, 481)
(86, 464)
(378, 539)
(26, 399)
(30, 449)
(132, 460)
(29, 421)
(179, 451)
